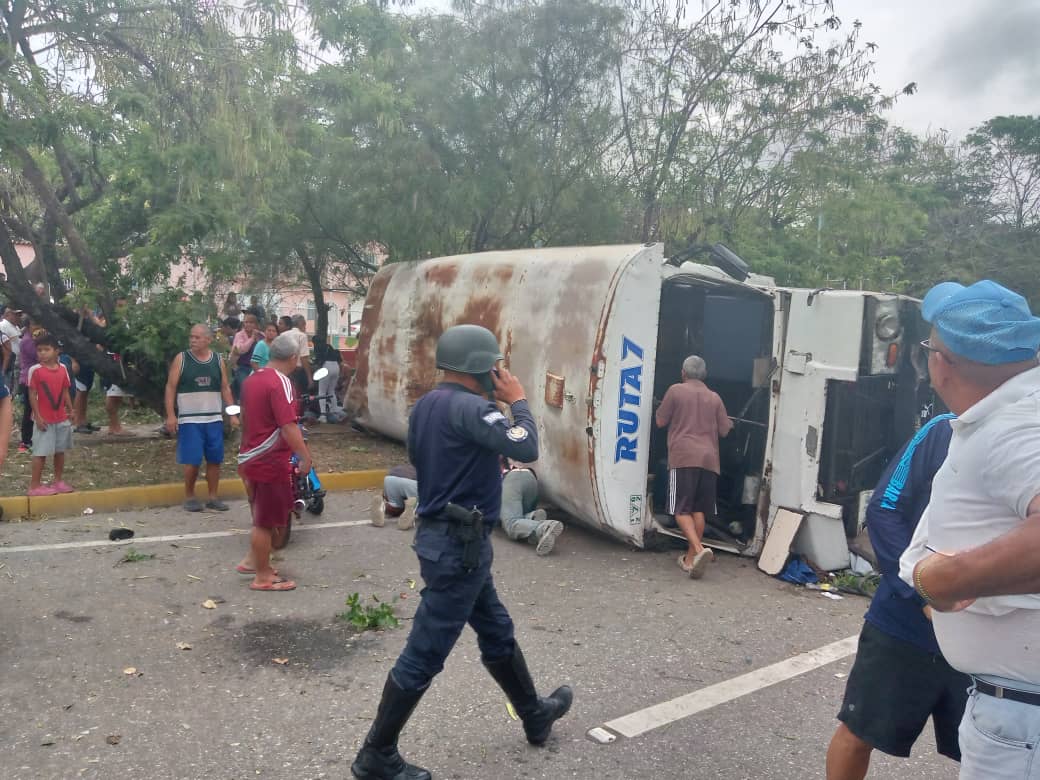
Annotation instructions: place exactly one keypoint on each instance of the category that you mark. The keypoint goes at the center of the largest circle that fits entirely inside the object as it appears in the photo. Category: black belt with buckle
(999, 692)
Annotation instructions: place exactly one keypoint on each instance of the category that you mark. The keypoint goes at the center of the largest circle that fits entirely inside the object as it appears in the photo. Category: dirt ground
(98, 461)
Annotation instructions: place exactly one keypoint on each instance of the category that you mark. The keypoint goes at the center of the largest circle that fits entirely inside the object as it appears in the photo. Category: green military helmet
(468, 349)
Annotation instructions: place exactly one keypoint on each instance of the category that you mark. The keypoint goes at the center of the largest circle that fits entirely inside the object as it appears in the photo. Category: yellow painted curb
(147, 496)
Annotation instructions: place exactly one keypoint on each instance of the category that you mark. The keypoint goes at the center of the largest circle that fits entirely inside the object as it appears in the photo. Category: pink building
(278, 300)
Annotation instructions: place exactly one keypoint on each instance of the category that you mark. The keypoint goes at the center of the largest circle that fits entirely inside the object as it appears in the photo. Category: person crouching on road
(455, 439)
(48, 385)
(400, 496)
(522, 520)
(198, 384)
(270, 434)
(696, 419)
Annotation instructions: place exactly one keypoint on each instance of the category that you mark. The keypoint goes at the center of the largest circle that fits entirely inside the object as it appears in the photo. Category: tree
(1004, 158)
(713, 109)
(119, 117)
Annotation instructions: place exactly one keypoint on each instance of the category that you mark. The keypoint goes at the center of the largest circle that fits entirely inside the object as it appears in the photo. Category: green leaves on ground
(365, 617)
(134, 556)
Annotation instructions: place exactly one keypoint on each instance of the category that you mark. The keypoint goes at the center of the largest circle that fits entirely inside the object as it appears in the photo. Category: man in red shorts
(270, 435)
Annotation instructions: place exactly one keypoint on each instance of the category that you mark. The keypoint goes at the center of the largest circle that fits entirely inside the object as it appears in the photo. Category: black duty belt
(440, 526)
(999, 692)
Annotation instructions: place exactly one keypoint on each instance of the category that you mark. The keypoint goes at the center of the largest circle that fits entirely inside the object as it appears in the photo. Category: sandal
(251, 572)
(278, 585)
(683, 565)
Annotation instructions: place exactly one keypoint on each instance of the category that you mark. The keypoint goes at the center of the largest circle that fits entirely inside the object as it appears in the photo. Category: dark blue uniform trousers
(452, 597)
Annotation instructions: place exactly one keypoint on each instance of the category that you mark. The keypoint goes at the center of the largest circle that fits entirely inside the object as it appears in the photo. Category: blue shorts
(196, 440)
(85, 379)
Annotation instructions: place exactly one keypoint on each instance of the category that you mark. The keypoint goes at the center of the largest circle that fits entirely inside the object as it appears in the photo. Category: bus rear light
(893, 355)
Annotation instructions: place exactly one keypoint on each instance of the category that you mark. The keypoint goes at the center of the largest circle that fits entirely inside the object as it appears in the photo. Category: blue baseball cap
(986, 322)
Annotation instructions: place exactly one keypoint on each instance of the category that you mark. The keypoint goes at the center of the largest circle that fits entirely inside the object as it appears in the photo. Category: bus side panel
(547, 307)
(623, 399)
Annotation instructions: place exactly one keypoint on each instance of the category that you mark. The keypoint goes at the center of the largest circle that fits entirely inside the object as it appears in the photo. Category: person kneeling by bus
(270, 434)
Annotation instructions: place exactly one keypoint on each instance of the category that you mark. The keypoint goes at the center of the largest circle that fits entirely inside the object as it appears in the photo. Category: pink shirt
(695, 417)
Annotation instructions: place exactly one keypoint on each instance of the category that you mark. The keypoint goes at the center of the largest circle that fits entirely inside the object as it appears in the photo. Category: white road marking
(173, 538)
(690, 704)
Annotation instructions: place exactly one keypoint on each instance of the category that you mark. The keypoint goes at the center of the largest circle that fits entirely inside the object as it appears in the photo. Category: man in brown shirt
(695, 418)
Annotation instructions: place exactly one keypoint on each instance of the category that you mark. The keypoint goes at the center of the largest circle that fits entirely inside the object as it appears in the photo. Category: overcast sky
(971, 59)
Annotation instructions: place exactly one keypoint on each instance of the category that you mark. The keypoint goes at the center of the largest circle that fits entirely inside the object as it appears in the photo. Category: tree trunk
(313, 272)
(55, 211)
(80, 340)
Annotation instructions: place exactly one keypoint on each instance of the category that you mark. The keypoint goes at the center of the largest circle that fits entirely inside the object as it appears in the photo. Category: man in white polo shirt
(983, 364)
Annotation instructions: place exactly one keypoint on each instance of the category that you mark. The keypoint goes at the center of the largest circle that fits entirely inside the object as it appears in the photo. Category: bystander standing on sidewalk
(242, 346)
(197, 388)
(48, 383)
(262, 351)
(26, 360)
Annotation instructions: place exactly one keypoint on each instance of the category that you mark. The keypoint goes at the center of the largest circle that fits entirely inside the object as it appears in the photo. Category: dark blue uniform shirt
(455, 438)
(892, 516)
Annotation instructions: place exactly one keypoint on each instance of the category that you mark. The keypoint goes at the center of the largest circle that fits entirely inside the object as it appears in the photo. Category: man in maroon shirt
(695, 418)
(270, 434)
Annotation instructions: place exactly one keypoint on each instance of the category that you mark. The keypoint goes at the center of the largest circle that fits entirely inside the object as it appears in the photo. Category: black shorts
(690, 491)
(894, 687)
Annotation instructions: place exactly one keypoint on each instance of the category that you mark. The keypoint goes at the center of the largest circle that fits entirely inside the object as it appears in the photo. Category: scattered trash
(193, 577)
(511, 710)
(411, 583)
(183, 646)
(209, 604)
(113, 739)
(821, 586)
(47, 742)
(798, 572)
(832, 596)
(88, 511)
(280, 661)
(860, 565)
(119, 534)
(601, 735)
(841, 675)
(130, 671)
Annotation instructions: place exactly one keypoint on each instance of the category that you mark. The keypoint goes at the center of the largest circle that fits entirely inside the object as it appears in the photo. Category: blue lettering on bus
(629, 394)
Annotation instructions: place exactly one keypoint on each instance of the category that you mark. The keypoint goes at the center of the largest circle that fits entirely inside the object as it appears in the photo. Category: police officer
(455, 438)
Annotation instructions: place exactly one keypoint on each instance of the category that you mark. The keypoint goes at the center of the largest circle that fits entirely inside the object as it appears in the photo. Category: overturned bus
(823, 385)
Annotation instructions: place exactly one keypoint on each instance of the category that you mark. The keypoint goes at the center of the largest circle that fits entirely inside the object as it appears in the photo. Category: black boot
(378, 758)
(537, 714)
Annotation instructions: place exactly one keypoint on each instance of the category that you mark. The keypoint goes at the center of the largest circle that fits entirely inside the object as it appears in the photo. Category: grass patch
(863, 584)
(100, 464)
(370, 618)
(134, 556)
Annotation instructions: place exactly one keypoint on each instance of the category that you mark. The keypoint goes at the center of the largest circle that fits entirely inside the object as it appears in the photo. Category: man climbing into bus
(696, 419)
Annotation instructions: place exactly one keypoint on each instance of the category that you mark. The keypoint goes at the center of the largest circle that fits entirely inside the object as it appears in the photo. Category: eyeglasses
(926, 345)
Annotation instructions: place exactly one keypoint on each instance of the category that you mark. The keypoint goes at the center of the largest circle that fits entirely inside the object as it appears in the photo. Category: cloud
(997, 43)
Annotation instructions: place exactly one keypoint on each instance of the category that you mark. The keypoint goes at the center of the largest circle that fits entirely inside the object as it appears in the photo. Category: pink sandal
(42, 490)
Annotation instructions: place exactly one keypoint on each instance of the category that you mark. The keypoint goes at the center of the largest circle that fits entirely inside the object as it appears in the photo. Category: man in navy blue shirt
(899, 678)
(455, 439)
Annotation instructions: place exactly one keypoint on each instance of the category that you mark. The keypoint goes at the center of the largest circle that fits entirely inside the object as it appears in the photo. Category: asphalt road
(623, 627)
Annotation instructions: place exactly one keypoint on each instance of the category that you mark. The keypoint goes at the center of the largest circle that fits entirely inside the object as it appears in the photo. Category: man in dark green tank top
(197, 390)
